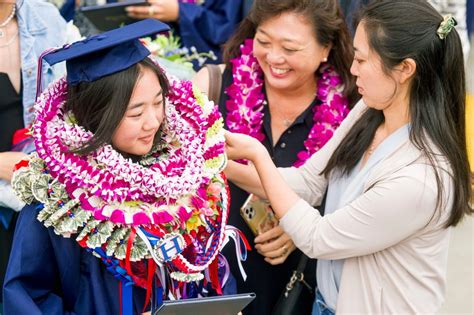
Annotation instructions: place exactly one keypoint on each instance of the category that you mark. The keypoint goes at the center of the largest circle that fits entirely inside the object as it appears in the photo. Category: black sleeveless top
(11, 112)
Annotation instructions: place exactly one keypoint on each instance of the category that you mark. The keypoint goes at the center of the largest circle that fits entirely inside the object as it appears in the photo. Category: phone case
(258, 214)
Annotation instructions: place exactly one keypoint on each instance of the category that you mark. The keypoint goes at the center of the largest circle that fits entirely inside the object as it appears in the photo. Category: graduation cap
(106, 53)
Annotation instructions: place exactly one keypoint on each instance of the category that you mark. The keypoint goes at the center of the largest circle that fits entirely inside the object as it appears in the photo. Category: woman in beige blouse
(396, 170)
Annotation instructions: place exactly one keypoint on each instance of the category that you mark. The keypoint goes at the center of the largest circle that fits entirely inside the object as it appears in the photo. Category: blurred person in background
(205, 25)
(27, 28)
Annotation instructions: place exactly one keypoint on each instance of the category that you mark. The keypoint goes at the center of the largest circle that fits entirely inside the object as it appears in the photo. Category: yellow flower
(194, 222)
(200, 98)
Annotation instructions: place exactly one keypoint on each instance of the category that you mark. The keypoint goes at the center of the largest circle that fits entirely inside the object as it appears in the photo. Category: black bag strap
(302, 263)
(215, 83)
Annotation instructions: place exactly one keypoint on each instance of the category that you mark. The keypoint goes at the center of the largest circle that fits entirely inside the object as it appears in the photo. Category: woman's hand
(240, 146)
(7, 163)
(163, 10)
(275, 245)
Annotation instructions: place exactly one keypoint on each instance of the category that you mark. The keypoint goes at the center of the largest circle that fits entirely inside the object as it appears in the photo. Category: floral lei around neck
(246, 102)
(171, 207)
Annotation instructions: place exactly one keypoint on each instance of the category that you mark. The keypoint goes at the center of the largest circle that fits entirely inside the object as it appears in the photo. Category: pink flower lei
(246, 102)
(114, 178)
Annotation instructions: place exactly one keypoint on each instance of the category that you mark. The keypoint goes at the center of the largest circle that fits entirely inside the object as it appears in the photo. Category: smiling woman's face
(145, 113)
(288, 52)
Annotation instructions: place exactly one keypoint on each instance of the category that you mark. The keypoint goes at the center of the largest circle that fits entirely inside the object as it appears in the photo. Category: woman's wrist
(261, 156)
(258, 153)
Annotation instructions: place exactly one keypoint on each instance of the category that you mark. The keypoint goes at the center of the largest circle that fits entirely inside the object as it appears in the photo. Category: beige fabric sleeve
(306, 181)
(390, 211)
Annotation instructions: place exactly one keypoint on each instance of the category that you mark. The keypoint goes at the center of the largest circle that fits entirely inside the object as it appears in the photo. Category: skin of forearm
(280, 195)
(245, 177)
(7, 162)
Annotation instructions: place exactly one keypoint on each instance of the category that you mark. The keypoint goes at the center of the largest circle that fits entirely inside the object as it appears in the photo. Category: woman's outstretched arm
(246, 177)
(273, 186)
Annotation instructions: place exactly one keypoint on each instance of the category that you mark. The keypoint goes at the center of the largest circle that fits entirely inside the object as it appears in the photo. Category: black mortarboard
(106, 53)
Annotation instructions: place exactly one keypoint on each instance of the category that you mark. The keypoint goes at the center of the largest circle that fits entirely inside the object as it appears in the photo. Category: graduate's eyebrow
(133, 106)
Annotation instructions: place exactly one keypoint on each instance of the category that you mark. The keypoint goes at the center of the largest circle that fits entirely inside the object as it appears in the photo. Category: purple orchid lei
(246, 102)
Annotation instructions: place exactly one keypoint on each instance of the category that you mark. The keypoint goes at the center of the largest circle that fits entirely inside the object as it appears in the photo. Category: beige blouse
(393, 241)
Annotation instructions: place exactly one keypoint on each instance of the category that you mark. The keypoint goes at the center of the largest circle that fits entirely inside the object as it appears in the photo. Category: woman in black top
(286, 82)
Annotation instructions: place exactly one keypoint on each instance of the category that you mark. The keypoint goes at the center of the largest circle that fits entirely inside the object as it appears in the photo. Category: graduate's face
(145, 113)
(288, 52)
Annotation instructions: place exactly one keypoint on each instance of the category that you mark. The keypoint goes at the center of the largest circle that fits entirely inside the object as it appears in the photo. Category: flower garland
(246, 102)
(175, 200)
(169, 47)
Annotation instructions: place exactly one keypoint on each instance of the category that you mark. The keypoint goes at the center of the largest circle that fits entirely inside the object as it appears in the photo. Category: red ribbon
(244, 239)
(128, 267)
(20, 135)
(139, 281)
(22, 163)
(214, 276)
(149, 282)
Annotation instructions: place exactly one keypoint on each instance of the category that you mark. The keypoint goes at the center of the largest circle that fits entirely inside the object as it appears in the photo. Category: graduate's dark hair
(329, 27)
(99, 106)
(398, 30)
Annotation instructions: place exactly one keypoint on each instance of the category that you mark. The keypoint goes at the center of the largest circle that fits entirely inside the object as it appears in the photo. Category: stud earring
(325, 59)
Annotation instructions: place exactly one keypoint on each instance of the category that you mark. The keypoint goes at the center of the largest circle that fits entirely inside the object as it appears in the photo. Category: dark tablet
(111, 15)
(222, 305)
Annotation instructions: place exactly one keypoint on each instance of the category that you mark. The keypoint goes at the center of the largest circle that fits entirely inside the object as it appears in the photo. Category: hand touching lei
(246, 102)
(124, 211)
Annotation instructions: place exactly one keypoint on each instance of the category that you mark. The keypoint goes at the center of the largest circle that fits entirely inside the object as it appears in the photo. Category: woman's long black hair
(403, 29)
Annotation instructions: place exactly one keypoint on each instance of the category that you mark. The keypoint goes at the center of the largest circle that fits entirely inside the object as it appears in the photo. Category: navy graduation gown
(209, 25)
(49, 274)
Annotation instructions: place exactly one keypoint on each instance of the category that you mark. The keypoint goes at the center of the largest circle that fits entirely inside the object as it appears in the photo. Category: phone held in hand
(258, 214)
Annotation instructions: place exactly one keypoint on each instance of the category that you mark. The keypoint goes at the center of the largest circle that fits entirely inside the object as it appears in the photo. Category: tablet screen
(111, 15)
(223, 305)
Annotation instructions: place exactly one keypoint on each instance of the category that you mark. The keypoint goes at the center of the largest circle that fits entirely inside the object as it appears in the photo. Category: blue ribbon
(6, 216)
(159, 297)
(153, 239)
(127, 301)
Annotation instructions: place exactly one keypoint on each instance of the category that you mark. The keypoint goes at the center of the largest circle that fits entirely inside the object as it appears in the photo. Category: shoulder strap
(215, 83)
(302, 262)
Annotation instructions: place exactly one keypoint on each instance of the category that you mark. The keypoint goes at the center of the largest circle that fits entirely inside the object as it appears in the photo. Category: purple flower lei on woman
(246, 102)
